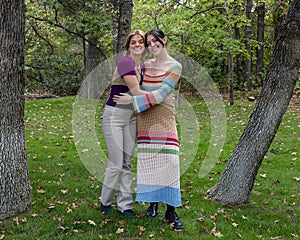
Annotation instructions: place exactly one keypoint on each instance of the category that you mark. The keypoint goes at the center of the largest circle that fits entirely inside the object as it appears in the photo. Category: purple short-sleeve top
(125, 67)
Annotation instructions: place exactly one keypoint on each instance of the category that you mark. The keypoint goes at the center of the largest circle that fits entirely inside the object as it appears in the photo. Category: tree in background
(204, 25)
(121, 23)
(236, 182)
(248, 38)
(15, 193)
(65, 40)
(261, 10)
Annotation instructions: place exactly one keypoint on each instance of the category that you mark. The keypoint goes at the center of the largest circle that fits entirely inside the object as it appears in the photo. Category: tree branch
(68, 31)
(42, 37)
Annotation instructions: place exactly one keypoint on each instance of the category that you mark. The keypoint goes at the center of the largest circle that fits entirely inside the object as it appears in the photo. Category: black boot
(172, 217)
(152, 210)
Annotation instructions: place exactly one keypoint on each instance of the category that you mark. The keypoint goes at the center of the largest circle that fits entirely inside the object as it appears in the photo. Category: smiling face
(136, 45)
(155, 45)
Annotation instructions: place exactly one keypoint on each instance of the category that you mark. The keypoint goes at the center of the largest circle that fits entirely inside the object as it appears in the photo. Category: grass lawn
(65, 194)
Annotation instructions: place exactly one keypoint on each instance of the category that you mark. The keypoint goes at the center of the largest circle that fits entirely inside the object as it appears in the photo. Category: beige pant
(119, 129)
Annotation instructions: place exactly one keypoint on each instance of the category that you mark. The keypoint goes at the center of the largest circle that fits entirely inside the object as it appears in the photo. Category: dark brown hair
(157, 34)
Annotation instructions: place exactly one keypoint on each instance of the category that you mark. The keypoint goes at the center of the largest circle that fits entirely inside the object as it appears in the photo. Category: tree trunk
(260, 40)
(238, 60)
(15, 195)
(278, 15)
(115, 25)
(230, 79)
(121, 23)
(248, 46)
(93, 57)
(124, 22)
(236, 182)
(230, 60)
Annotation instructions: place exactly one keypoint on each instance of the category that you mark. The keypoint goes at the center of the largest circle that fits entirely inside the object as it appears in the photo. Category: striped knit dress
(158, 173)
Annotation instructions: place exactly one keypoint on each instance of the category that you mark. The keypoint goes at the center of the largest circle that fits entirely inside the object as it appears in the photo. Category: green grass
(66, 196)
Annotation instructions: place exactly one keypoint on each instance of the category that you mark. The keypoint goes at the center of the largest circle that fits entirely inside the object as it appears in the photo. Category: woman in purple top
(119, 127)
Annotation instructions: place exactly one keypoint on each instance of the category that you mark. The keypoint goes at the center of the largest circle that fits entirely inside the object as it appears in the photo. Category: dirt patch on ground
(295, 101)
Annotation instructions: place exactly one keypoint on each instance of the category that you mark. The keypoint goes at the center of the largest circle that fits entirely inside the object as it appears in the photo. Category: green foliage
(66, 196)
(55, 34)
(204, 26)
(199, 29)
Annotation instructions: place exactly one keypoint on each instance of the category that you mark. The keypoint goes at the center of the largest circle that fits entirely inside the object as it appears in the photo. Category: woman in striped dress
(158, 173)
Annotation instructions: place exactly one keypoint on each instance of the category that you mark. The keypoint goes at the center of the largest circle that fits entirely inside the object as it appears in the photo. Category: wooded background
(233, 40)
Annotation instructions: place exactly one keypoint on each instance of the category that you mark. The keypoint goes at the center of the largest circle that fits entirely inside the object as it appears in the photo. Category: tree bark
(260, 40)
(236, 182)
(93, 58)
(124, 22)
(230, 61)
(121, 23)
(15, 194)
(278, 15)
(238, 60)
(248, 37)
(115, 25)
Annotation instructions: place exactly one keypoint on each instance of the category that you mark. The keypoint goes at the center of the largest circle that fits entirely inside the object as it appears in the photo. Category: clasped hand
(123, 98)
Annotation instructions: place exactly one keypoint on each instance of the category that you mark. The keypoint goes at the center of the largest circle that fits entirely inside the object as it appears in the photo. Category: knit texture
(158, 173)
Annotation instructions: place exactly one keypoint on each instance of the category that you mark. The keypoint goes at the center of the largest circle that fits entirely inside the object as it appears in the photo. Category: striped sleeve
(148, 100)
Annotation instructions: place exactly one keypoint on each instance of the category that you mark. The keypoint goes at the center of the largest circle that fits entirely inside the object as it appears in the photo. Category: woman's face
(136, 45)
(154, 46)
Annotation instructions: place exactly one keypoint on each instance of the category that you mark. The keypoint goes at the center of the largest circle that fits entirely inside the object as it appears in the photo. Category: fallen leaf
(62, 228)
(277, 237)
(92, 178)
(240, 235)
(24, 220)
(213, 217)
(58, 219)
(120, 230)
(122, 223)
(91, 222)
(41, 191)
(69, 210)
(64, 191)
(16, 220)
(218, 234)
(221, 211)
(51, 207)
(297, 179)
(294, 235)
(142, 230)
(234, 224)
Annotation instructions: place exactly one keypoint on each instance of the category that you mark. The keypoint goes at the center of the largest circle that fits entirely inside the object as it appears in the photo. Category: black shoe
(172, 218)
(105, 209)
(128, 213)
(152, 210)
